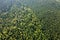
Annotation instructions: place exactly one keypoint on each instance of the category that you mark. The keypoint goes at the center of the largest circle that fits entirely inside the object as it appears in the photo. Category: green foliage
(20, 24)
(23, 23)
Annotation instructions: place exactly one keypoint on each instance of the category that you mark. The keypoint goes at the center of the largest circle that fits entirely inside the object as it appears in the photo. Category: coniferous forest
(29, 19)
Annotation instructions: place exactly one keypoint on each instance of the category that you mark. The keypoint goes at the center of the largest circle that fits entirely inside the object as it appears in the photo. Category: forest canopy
(29, 20)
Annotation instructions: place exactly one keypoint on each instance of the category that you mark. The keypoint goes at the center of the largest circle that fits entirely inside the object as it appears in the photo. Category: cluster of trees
(23, 24)
(26, 23)
(20, 24)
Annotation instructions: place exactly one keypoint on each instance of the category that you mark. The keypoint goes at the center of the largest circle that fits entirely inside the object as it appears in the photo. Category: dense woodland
(29, 19)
